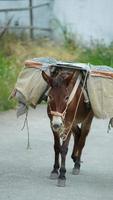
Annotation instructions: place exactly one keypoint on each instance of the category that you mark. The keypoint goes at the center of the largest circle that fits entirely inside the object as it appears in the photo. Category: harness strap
(74, 89)
(85, 96)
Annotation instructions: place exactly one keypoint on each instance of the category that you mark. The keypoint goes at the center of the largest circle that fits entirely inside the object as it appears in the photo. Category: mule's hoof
(61, 182)
(53, 176)
(75, 171)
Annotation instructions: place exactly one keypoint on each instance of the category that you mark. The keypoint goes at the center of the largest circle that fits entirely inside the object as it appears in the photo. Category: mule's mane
(59, 79)
(57, 82)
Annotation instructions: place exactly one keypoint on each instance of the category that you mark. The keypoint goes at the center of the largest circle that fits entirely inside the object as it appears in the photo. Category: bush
(7, 79)
(98, 54)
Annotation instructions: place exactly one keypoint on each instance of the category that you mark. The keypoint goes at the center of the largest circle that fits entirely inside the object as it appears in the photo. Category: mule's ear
(68, 79)
(47, 78)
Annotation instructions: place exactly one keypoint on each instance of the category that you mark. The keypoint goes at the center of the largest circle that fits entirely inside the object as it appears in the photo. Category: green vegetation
(7, 78)
(98, 54)
(14, 51)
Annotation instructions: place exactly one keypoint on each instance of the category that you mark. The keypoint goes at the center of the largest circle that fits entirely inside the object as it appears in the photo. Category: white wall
(41, 15)
(20, 17)
(89, 19)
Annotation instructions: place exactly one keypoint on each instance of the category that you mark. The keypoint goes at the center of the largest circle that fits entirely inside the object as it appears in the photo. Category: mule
(69, 114)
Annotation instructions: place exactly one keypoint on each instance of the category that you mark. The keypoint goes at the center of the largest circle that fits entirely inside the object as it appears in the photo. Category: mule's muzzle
(57, 123)
(57, 127)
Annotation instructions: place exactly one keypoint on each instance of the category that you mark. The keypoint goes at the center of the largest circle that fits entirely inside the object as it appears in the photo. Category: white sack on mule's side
(100, 91)
(28, 89)
(31, 84)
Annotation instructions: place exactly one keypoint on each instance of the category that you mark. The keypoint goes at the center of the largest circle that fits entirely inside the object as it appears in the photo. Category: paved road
(24, 173)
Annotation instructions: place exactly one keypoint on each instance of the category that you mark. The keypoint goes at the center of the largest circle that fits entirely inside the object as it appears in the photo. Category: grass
(98, 54)
(7, 79)
(14, 51)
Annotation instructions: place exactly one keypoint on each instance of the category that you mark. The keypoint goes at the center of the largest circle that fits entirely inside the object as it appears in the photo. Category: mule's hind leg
(76, 134)
(54, 173)
(85, 127)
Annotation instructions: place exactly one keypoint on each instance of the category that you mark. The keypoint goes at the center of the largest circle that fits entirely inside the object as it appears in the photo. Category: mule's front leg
(62, 178)
(54, 173)
(64, 150)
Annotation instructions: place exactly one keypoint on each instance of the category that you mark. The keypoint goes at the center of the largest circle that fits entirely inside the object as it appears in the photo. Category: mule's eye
(50, 98)
(66, 98)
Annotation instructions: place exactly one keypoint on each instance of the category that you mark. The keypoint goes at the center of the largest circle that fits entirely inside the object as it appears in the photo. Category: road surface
(24, 174)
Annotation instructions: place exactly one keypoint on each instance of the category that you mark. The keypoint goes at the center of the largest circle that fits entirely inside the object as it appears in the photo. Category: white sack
(31, 84)
(100, 91)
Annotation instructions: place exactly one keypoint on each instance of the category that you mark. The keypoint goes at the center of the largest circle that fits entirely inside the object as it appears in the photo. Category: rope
(110, 125)
(27, 127)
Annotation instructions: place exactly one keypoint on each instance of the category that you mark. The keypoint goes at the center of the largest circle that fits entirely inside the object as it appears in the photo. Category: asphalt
(24, 174)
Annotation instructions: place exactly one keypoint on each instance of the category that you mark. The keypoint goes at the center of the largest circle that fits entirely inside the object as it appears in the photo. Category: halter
(55, 113)
(74, 90)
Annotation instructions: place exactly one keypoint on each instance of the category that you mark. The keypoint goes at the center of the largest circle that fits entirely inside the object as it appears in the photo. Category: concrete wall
(20, 17)
(41, 15)
(89, 19)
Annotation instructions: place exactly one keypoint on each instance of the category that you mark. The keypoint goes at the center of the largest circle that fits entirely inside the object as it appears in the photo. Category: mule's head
(57, 98)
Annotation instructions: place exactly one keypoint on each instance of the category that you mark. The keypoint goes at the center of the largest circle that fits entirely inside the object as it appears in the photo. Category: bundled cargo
(30, 85)
(100, 91)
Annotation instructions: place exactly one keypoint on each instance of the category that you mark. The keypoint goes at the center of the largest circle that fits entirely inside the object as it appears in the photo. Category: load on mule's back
(66, 109)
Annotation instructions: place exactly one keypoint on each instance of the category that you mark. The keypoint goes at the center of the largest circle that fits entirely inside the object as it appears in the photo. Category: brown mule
(66, 109)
